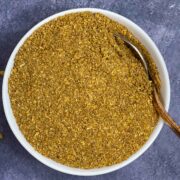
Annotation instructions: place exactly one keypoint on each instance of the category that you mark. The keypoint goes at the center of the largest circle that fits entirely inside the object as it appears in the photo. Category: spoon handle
(165, 116)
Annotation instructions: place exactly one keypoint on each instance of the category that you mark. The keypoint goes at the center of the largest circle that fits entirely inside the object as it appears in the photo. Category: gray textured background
(161, 20)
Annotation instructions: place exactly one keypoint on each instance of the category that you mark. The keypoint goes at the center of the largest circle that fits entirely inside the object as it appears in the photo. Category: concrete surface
(161, 20)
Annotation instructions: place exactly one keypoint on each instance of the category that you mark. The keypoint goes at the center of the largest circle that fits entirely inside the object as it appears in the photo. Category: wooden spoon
(158, 103)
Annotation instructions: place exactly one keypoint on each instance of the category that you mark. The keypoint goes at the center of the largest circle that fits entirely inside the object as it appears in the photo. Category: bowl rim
(48, 162)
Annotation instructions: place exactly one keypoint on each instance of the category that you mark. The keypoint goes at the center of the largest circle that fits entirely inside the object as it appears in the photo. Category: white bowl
(165, 92)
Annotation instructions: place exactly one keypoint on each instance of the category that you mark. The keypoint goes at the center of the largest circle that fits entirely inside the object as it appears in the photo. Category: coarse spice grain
(78, 96)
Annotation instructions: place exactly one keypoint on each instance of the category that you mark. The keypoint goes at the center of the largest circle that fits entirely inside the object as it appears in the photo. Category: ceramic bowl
(165, 93)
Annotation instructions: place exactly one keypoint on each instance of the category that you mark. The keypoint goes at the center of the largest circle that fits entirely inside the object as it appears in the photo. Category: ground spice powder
(79, 97)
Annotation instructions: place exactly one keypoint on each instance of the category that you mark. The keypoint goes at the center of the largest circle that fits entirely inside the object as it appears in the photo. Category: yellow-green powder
(79, 97)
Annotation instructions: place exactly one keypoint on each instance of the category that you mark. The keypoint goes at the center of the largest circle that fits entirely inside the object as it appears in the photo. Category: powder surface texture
(79, 96)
